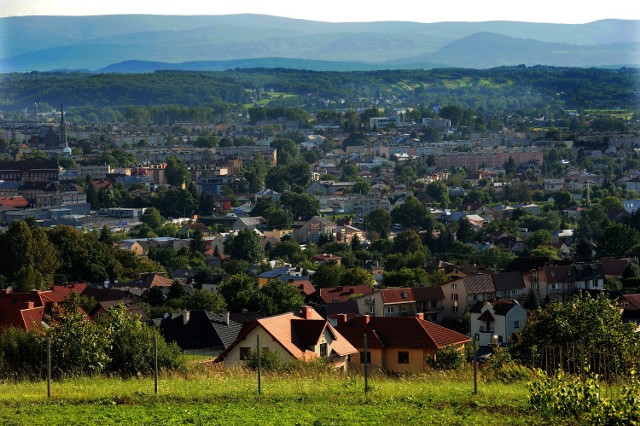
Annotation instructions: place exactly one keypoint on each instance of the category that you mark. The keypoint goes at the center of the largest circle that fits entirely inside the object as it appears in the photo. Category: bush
(449, 358)
(22, 355)
(269, 360)
(131, 348)
(500, 367)
(565, 395)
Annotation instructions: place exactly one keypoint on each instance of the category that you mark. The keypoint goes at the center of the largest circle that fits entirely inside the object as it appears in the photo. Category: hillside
(97, 42)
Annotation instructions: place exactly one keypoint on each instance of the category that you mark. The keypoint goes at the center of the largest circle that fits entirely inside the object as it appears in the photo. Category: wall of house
(266, 341)
(417, 360)
(449, 289)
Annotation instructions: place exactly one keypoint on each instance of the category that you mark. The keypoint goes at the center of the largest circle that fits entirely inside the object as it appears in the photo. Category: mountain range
(145, 43)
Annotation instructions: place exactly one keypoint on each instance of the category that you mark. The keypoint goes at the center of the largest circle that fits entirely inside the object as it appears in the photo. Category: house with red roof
(341, 294)
(303, 336)
(398, 344)
(28, 311)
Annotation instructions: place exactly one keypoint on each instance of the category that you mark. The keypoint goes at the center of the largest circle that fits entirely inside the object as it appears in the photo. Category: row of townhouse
(551, 282)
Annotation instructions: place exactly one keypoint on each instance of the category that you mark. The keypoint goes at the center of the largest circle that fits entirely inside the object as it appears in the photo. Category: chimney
(342, 318)
(186, 315)
(367, 318)
(306, 312)
(30, 304)
(226, 317)
(420, 315)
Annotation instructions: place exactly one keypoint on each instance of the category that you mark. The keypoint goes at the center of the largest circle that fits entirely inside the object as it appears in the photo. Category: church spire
(63, 129)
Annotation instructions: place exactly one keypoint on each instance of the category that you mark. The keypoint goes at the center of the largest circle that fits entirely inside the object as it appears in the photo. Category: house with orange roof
(342, 294)
(402, 302)
(303, 336)
(146, 282)
(398, 344)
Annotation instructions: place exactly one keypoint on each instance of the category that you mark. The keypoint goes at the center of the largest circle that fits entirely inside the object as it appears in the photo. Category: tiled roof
(16, 201)
(399, 332)
(633, 299)
(558, 274)
(342, 294)
(614, 266)
(289, 332)
(508, 280)
(305, 286)
(486, 316)
(396, 295)
(148, 281)
(476, 284)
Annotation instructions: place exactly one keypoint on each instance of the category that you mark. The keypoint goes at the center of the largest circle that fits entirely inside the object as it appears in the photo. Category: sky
(549, 11)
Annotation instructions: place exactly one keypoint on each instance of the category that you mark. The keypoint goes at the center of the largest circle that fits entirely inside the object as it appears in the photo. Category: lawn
(210, 395)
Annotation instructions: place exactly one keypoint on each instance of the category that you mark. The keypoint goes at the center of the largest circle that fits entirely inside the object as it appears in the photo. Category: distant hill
(114, 43)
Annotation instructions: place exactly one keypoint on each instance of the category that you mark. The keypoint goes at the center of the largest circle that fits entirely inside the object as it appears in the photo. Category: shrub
(501, 367)
(565, 395)
(22, 355)
(131, 348)
(448, 358)
(269, 360)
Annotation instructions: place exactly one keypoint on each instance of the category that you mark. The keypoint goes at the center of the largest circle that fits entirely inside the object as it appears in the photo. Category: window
(368, 357)
(454, 296)
(476, 336)
(323, 349)
(372, 309)
(516, 324)
(500, 339)
(454, 285)
(474, 297)
(403, 357)
(454, 309)
(514, 292)
(245, 353)
(389, 309)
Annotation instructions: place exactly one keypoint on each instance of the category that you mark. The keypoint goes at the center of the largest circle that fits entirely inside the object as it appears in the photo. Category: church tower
(63, 129)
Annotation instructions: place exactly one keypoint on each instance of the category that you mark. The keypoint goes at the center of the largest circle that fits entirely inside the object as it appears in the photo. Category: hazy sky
(560, 11)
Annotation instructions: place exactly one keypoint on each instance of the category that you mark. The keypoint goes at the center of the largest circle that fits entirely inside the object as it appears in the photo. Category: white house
(495, 322)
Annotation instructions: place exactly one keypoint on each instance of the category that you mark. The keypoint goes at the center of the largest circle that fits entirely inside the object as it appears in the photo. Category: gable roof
(508, 280)
(399, 332)
(342, 294)
(289, 332)
(475, 284)
(202, 330)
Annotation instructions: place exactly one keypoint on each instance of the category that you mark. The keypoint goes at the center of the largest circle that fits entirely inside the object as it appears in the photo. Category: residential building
(397, 344)
(493, 323)
(401, 302)
(205, 331)
(303, 336)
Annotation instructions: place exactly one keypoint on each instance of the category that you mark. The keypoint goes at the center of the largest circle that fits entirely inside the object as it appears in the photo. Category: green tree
(278, 297)
(327, 275)
(245, 245)
(379, 220)
(617, 240)
(152, 217)
(300, 205)
(540, 237)
(205, 300)
(356, 276)
(413, 213)
(241, 292)
(438, 191)
(572, 323)
(176, 173)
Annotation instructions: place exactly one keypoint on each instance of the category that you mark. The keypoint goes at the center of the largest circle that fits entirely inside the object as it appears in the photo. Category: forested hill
(45, 43)
(492, 90)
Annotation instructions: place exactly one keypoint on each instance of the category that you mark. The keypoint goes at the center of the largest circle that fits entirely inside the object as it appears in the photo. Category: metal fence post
(259, 372)
(49, 367)
(366, 363)
(155, 363)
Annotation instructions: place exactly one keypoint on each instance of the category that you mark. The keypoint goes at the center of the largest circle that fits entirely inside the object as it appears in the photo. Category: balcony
(485, 330)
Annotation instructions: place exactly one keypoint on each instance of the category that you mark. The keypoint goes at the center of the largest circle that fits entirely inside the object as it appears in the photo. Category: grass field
(209, 395)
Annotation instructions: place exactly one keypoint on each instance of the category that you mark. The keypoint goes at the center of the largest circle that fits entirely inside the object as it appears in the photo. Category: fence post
(366, 362)
(155, 363)
(475, 366)
(49, 367)
(259, 372)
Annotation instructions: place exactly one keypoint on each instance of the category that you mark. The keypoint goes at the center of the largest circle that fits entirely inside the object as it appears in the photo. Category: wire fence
(611, 364)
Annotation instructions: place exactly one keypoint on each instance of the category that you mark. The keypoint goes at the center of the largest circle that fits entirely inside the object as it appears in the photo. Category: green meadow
(211, 395)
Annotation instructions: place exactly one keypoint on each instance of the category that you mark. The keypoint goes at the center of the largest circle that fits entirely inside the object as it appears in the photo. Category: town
(395, 237)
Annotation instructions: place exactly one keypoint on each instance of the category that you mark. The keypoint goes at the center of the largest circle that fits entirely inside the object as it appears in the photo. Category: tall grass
(208, 393)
